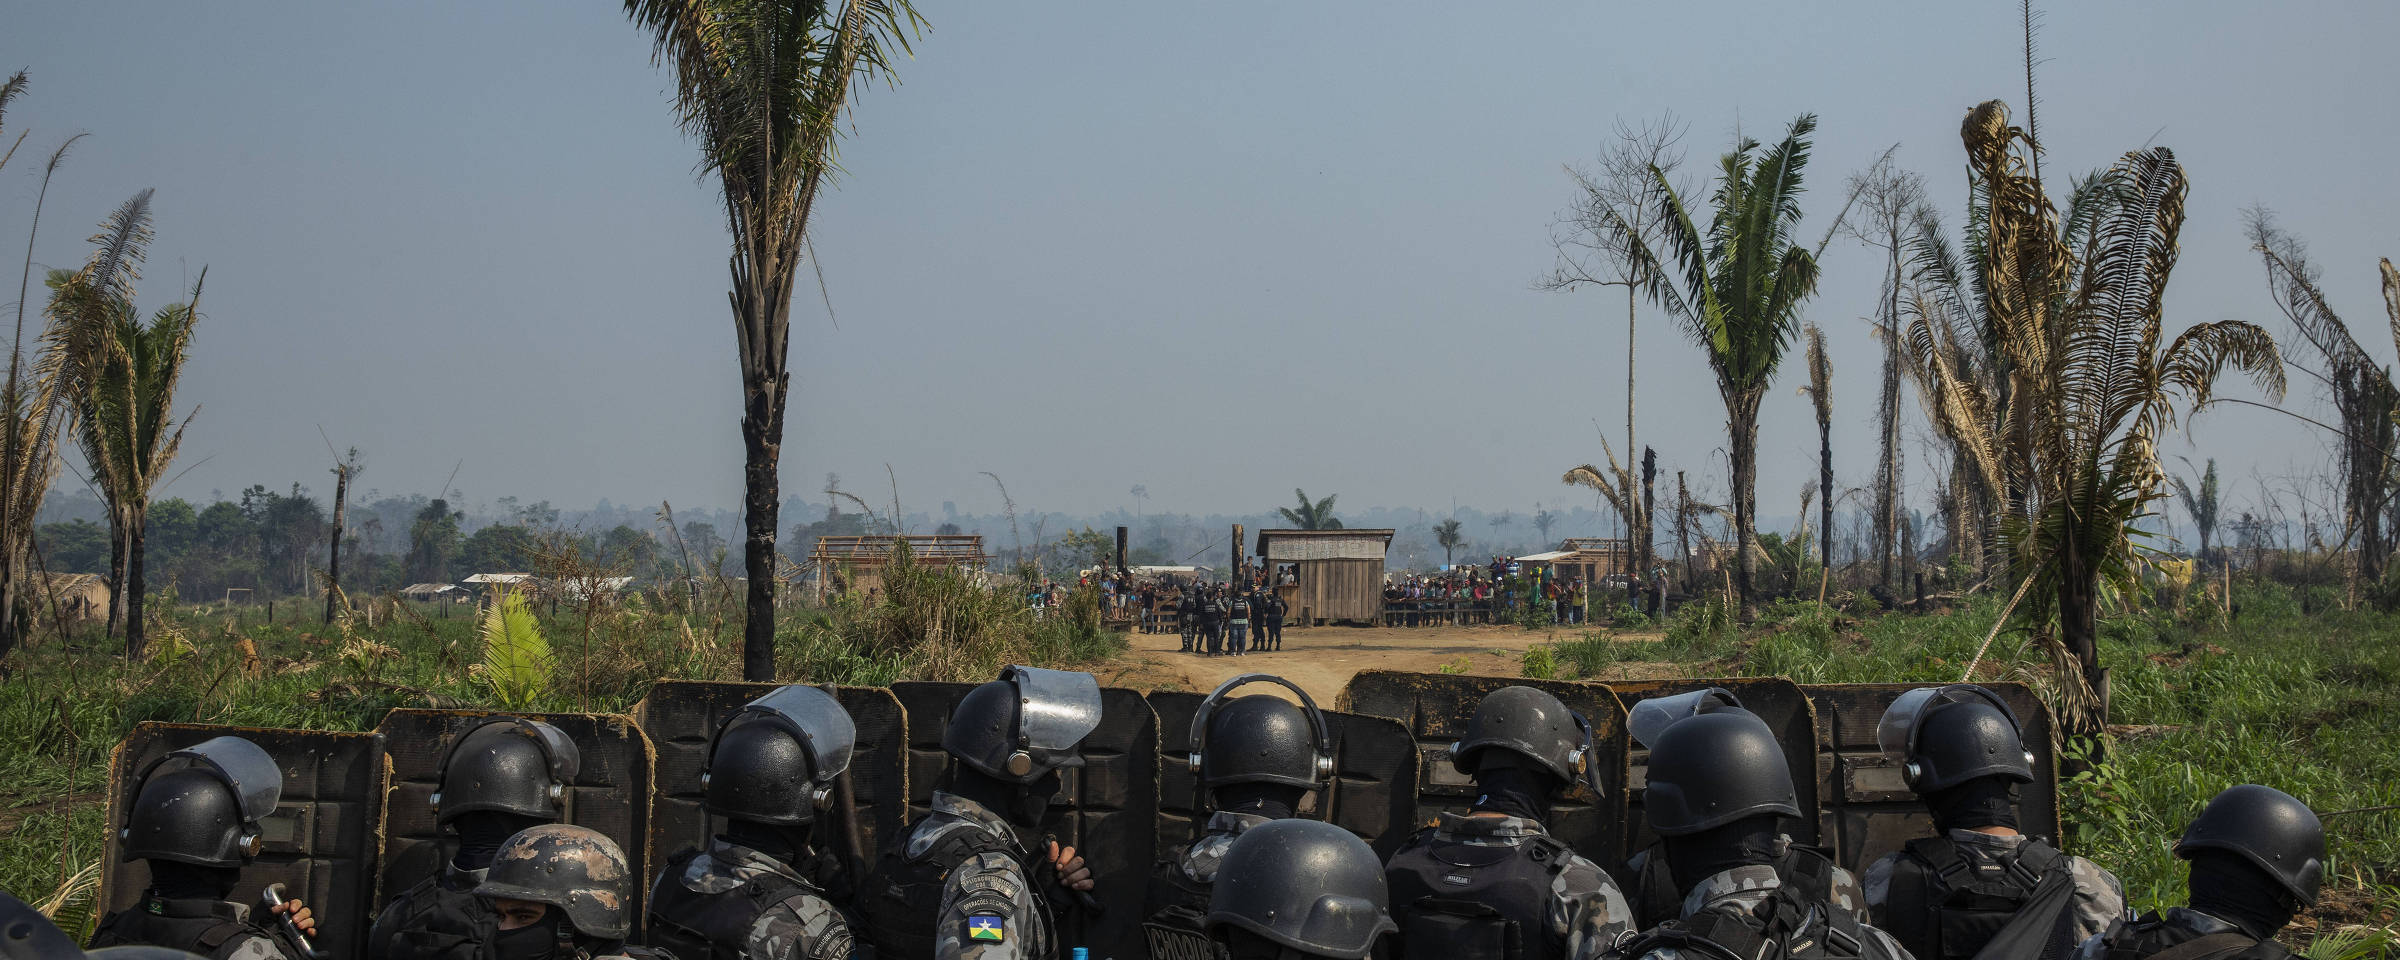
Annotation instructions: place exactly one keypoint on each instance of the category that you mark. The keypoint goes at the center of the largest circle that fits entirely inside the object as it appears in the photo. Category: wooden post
(1236, 569)
(1121, 568)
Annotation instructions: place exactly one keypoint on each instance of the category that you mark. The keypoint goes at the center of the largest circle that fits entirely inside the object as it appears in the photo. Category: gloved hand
(1066, 879)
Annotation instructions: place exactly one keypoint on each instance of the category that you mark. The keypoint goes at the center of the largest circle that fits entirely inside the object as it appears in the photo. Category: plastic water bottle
(1082, 953)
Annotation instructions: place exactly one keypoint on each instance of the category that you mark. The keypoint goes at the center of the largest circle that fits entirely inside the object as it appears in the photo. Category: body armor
(1466, 901)
(1942, 907)
(1795, 920)
(2182, 932)
(440, 918)
(902, 900)
(211, 928)
(730, 903)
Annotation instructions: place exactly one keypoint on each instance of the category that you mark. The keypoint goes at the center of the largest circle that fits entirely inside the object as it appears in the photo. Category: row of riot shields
(354, 826)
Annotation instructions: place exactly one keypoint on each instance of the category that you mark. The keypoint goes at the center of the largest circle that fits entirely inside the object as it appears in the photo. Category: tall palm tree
(1446, 533)
(1820, 394)
(30, 418)
(1736, 289)
(2201, 503)
(763, 85)
(122, 373)
(1312, 515)
(2077, 316)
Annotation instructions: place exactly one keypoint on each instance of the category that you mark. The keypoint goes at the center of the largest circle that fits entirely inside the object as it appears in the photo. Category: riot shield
(1435, 708)
(1106, 809)
(1374, 789)
(321, 843)
(611, 792)
(1775, 700)
(681, 715)
(1868, 811)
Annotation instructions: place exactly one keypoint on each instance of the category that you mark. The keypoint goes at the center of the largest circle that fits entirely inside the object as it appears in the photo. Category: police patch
(987, 928)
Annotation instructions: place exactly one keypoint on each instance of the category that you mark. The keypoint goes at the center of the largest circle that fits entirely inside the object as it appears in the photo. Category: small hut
(1590, 559)
(429, 592)
(1335, 574)
(79, 597)
(856, 563)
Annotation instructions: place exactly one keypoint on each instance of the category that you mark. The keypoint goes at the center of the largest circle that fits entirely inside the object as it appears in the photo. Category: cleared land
(1323, 659)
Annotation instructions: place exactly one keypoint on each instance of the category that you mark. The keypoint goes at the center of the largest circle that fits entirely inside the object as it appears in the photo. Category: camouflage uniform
(1585, 915)
(730, 902)
(1844, 890)
(211, 928)
(2153, 934)
(439, 918)
(1741, 889)
(987, 908)
(1200, 860)
(2099, 899)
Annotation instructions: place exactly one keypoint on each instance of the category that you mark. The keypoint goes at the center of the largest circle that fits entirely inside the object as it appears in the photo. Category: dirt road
(1322, 659)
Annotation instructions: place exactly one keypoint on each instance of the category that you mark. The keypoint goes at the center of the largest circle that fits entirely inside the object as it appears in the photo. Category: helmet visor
(819, 720)
(256, 780)
(1056, 708)
(1649, 719)
(1896, 732)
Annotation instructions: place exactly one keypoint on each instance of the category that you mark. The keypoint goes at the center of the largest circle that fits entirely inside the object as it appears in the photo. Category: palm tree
(2077, 313)
(1736, 291)
(30, 418)
(1820, 393)
(1446, 533)
(2201, 503)
(122, 377)
(763, 85)
(1312, 515)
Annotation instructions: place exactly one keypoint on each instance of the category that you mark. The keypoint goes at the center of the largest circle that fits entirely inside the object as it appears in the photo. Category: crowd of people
(1215, 619)
(1499, 591)
(976, 878)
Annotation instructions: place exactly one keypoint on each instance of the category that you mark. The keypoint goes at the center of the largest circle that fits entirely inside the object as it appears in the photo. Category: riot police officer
(505, 775)
(1469, 886)
(771, 768)
(1212, 619)
(1299, 889)
(964, 883)
(561, 892)
(1946, 896)
(26, 934)
(1253, 760)
(1237, 622)
(1718, 785)
(2258, 857)
(196, 822)
(1271, 609)
(1187, 615)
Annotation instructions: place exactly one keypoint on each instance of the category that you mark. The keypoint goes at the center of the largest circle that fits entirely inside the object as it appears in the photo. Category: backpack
(1464, 901)
(1796, 921)
(1942, 907)
(903, 896)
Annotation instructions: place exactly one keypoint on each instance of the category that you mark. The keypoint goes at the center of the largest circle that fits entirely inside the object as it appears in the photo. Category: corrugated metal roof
(1546, 557)
(504, 578)
(1290, 549)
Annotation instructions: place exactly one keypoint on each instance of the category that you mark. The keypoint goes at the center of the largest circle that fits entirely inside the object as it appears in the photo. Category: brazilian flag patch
(987, 928)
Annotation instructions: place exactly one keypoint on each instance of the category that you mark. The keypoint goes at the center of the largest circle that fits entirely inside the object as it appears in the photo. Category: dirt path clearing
(1322, 660)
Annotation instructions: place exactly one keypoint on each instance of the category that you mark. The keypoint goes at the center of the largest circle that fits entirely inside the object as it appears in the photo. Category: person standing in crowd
(2258, 858)
(562, 892)
(502, 777)
(1947, 896)
(1270, 606)
(1237, 622)
(195, 824)
(1493, 884)
(1187, 615)
(1212, 619)
(746, 895)
(965, 882)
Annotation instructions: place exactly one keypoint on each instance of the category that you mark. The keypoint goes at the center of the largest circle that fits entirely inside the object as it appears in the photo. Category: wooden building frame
(1339, 572)
(860, 560)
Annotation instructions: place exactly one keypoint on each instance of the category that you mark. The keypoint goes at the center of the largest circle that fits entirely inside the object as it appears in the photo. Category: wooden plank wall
(1340, 590)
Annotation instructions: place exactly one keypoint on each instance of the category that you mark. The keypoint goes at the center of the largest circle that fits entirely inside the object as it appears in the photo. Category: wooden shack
(1587, 558)
(1338, 574)
(857, 563)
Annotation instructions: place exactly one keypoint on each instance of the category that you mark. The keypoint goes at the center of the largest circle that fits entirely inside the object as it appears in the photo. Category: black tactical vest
(1177, 906)
(712, 926)
(439, 918)
(1779, 927)
(903, 897)
(1464, 901)
(207, 927)
(2153, 939)
(1942, 907)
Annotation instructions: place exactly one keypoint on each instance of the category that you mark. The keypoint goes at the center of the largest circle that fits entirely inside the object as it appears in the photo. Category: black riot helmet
(775, 761)
(1945, 736)
(508, 765)
(203, 804)
(25, 934)
(1710, 769)
(1305, 885)
(1533, 724)
(2267, 827)
(1025, 724)
(1260, 739)
(575, 870)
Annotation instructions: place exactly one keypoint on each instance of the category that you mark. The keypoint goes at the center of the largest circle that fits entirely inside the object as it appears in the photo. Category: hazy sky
(1217, 249)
